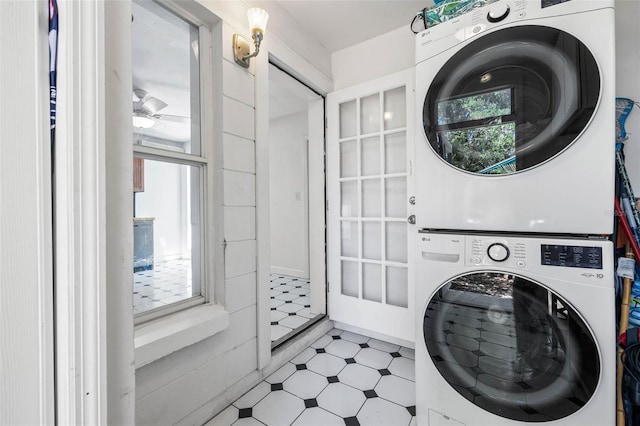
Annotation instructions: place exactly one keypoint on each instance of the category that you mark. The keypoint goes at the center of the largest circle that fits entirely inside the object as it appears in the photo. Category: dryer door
(511, 100)
(511, 346)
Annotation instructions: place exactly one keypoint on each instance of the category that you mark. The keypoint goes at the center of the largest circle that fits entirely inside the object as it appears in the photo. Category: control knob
(498, 252)
(498, 12)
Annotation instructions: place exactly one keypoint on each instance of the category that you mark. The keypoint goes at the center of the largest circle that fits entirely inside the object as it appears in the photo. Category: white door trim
(271, 49)
(317, 209)
(26, 289)
(94, 321)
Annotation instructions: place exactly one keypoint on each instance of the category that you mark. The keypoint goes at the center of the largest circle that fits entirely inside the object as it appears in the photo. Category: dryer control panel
(495, 15)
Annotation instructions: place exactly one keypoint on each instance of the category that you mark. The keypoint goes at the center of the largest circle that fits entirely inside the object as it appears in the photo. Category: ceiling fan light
(142, 121)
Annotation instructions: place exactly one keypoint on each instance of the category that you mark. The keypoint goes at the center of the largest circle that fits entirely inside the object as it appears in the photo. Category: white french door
(369, 184)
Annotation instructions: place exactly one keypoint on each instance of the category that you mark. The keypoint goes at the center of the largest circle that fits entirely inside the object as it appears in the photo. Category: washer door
(511, 100)
(511, 346)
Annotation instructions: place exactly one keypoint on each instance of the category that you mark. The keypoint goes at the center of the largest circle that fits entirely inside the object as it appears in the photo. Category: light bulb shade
(257, 19)
(142, 121)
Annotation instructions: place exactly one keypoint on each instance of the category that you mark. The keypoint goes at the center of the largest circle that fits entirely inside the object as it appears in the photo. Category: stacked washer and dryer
(514, 198)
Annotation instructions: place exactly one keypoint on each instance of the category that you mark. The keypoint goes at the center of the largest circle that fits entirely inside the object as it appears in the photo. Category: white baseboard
(298, 273)
(373, 334)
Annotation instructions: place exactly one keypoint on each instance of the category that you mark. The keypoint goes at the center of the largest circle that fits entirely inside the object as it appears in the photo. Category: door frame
(280, 55)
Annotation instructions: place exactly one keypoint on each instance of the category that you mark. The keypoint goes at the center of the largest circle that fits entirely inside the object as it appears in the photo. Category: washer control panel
(588, 261)
(493, 251)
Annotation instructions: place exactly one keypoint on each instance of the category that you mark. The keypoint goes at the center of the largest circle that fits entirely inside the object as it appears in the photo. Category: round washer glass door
(511, 346)
(511, 100)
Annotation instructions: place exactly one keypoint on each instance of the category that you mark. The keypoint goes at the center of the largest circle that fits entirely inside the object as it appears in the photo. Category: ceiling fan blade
(152, 105)
(174, 118)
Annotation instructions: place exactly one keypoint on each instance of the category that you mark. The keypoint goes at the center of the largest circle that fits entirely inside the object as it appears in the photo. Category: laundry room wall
(628, 80)
(393, 51)
(289, 195)
(193, 384)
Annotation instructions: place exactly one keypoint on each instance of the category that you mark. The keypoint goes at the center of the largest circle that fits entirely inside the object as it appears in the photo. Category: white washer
(516, 119)
(512, 330)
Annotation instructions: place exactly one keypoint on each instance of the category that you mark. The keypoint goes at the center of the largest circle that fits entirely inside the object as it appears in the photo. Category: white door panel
(369, 182)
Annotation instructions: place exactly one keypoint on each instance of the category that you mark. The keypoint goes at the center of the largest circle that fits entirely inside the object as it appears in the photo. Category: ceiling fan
(146, 108)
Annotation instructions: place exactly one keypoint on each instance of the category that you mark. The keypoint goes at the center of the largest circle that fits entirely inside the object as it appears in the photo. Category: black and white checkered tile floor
(343, 378)
(168, 282)
(290, 306)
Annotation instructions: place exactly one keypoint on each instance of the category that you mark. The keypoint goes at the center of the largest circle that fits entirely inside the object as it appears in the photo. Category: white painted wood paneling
(263, 243)
(237, 83)
(240, 223)
(195, 388)
(156, 375)
(191, 385)
(238, 118)
(243, 327)
(239, 188)
(240, 292)
(239, 154)
(240, 258)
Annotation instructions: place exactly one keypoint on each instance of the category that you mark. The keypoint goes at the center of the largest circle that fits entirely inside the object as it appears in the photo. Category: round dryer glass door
(511, 346)
(511, 100)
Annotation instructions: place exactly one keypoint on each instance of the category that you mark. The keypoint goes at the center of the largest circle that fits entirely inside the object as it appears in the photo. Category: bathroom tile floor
(342, 378)
(290, 306)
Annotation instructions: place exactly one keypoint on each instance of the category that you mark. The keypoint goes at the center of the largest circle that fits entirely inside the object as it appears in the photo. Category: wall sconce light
(258, 23)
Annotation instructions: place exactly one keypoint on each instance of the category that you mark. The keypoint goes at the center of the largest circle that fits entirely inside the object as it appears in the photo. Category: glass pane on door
(373, 185)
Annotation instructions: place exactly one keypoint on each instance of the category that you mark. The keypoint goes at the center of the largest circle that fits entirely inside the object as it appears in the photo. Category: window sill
(163, 336)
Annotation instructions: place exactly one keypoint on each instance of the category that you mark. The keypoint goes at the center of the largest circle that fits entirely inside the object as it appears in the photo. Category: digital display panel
(547, 3)
(571, 256)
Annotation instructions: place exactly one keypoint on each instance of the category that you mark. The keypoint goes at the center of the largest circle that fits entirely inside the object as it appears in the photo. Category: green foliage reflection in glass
(487, 146)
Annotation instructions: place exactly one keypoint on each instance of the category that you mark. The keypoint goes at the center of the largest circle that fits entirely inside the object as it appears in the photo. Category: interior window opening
(169, 163)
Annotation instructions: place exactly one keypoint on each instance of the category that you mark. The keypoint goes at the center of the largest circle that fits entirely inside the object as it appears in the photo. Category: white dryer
(514, 330)
(516, 119)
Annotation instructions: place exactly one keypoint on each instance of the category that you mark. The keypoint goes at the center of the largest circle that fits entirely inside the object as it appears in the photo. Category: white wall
(164, 198)
(191, 385)
(289, 195)
(173, 389)
(628, 80)
(383, 55)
